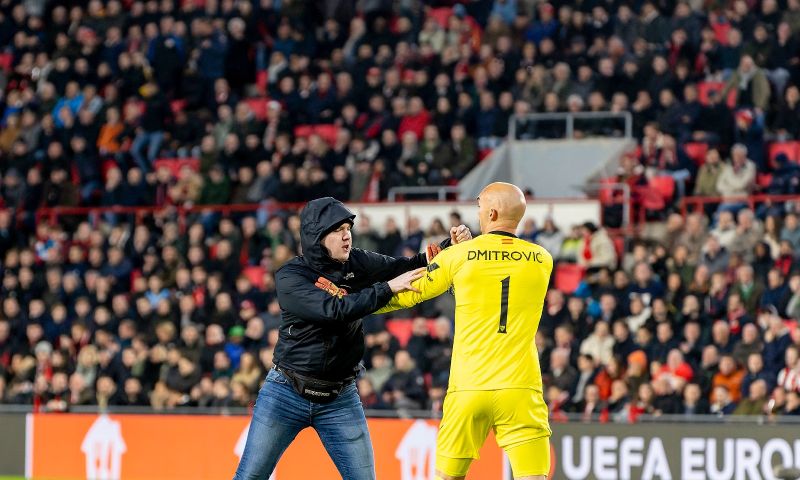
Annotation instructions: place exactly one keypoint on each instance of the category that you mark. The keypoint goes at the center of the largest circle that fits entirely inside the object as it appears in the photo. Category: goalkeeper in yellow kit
(499, 283)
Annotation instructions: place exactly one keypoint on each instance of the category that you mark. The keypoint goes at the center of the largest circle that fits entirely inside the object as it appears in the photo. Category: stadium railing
(699, 204)
(526, 127)
(441, 193)
(138, 213)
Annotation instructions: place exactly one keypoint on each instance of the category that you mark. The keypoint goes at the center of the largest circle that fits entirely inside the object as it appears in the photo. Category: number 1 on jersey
(504, 305)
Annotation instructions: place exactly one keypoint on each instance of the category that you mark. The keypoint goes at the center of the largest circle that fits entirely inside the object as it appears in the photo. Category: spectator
(792, 406)
(750, 84)
(749, 344)
(789, 376)
(787, 122)
(748, 290)
(599, 345)
(793, 307)
(708, 175)
(405, 388)
(756, 400)
(730, 376)
(736, 179)
(791, 230)
(563, 375)
(586, 376)
(755, 371)
(776, 342)
(150, 133)
(598, 249)
(693, 401)
(722, 403)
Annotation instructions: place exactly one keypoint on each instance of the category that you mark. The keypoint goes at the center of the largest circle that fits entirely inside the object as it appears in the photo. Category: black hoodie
(322, 300)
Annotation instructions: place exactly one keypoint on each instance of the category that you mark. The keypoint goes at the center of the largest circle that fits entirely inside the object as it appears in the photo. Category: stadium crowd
(292, 100)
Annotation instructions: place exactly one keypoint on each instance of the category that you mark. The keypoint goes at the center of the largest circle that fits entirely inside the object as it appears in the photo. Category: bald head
(501, 206)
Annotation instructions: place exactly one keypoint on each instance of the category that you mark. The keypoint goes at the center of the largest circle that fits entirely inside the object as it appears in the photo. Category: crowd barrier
(564, 212)
(178, 447)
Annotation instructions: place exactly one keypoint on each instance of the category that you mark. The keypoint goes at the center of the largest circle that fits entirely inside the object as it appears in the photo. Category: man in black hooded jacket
(323, 296)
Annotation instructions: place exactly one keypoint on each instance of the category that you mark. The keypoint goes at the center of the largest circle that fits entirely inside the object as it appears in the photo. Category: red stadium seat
(74, 175)
(176, 164)
(665, 185)
(696, 151)
(303, 130)
(428, 378)
(619, 245)
(568, 277)
(108, 165)
(262, 79)
(400, 328)
(606, 192)
(328, 132)
(6, 61)
(135, 275)
(177, 106)
(256, 276)
(791, 149)
(721, 32)
(441, 15)
(763, 179)
(703, 89)
(258, 106)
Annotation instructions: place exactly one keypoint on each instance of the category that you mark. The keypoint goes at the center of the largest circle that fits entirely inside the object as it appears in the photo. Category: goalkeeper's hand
(431, 251)
(460, 234)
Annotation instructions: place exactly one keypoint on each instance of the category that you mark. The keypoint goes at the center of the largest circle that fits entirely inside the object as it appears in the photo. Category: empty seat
(256, 275)
(258, 106)
(262, 79)
(665, 185)
(6, 61)
(568, 277)
(704, 88)
(763, 180)
(696, 151)
(790, 149)
(176, 164)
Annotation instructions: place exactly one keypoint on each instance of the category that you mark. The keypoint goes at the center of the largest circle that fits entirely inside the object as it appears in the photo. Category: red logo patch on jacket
(325, 284)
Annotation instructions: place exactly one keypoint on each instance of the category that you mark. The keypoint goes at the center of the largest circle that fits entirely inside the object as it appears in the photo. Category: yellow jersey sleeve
(436, 281)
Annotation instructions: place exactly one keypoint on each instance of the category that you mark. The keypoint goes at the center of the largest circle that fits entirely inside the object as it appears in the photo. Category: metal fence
(560, 125)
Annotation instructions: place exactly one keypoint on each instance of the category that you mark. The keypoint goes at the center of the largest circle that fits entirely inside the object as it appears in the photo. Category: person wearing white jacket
(737, 179)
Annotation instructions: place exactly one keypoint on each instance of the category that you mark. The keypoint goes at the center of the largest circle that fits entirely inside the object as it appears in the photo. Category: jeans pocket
(277, 377)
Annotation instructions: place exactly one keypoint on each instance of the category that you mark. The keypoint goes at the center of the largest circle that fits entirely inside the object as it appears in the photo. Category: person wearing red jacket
(415, 119)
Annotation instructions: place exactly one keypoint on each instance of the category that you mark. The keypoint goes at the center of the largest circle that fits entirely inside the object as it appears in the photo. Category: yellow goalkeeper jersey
(499, 282)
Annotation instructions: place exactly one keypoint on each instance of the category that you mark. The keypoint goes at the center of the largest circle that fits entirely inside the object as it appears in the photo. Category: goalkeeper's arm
(436, 281)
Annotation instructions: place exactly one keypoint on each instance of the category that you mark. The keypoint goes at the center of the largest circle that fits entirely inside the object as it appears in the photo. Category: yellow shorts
(518, 418)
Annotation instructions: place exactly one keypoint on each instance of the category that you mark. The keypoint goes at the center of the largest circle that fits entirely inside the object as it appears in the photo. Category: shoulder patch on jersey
(432, 267)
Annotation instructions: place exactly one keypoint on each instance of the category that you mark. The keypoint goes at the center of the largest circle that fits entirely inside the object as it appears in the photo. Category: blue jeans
(152, 140)
(280, 414)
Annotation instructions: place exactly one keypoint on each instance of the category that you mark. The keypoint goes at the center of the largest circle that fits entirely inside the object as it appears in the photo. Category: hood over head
(318, 218)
